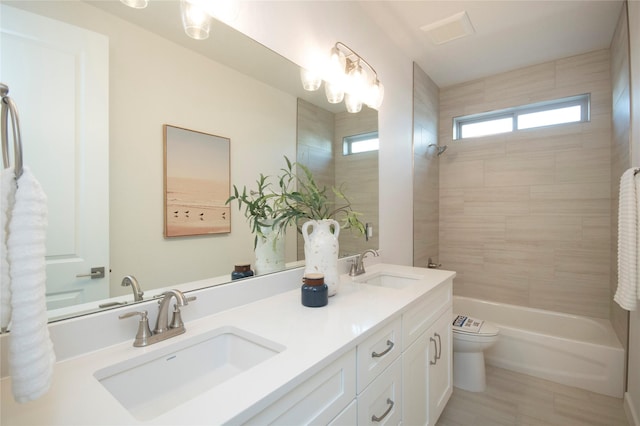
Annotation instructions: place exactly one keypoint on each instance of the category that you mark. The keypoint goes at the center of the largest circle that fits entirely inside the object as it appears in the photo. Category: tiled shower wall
(620, 154)
(525, 217)
(320, 135)
(425, 169)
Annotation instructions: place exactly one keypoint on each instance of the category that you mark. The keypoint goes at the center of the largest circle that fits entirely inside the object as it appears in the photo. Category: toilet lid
(464, 324)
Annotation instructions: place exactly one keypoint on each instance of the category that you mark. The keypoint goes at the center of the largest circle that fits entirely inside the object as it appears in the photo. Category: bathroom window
(559, 111)
(357, 144)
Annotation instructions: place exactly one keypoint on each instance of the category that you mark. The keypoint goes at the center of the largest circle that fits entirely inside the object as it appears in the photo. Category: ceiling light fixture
(136, 4)
(197, 14)
(347, 76)
(195, 19)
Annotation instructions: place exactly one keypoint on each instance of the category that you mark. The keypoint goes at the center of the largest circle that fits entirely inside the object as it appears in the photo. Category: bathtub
(568, 349)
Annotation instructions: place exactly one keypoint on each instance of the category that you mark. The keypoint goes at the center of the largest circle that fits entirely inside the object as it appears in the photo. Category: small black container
(315, 292)
(242, 270)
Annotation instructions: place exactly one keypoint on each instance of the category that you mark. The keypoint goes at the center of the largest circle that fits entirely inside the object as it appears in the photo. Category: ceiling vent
(448, 29)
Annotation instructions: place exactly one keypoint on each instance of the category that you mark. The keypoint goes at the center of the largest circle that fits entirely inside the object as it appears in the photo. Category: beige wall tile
(525, 217)
(425, 169)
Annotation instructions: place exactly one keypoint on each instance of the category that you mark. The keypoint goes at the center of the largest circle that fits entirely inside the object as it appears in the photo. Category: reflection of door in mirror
(58, 76)
(320, 144)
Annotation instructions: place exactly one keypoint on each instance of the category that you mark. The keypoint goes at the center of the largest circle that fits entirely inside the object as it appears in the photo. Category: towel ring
(9, 109)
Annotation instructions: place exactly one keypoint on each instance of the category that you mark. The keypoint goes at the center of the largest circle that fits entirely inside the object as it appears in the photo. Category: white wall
(153, 82)
(632, 398)
(300, 31)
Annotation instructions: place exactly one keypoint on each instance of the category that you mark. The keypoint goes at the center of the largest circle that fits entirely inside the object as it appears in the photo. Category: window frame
(583, 100)
(348, 141)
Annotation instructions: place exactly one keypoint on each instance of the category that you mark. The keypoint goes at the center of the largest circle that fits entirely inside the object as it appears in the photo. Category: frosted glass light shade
(334, 92)
(353, 103)
(136, 4)
(195, 19)
(311, 80)
(375, 95)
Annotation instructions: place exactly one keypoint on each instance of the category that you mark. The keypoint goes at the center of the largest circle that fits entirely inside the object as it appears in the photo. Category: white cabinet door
(58, 75)
(441, 367)
(427, 374)
(348, 416)
(415, 382)
(381, 401)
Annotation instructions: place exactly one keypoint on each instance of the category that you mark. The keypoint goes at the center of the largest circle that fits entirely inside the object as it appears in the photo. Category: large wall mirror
(146, 73)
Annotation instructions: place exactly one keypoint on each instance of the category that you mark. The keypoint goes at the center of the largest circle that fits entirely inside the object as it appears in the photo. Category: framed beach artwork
(196, 183)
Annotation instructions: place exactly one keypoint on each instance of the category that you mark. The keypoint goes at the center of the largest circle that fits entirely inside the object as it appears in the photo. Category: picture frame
(196, 183)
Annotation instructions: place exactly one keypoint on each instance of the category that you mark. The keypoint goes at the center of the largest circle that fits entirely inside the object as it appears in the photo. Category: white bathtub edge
(587, 364)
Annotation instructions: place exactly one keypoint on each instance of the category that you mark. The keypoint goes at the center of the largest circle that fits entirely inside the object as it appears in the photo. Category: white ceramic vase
(321, 250)
(269, 251)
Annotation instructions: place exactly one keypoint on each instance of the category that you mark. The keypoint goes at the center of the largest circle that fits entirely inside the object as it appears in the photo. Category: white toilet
(469, 344)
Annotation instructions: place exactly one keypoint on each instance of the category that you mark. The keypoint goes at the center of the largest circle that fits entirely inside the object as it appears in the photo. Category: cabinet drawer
(348, 416)
(378, 352)
(316, 401)
(381, 403)
(416, 320)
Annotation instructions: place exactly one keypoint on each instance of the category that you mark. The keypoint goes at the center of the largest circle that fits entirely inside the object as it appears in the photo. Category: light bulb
(335, 69)
(357, 81)
(311, 81)
(136, 4)
(195, 20)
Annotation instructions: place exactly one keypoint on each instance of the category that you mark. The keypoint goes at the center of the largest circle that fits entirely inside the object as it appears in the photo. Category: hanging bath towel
(7, 194)
(628, 289)
(31, 355)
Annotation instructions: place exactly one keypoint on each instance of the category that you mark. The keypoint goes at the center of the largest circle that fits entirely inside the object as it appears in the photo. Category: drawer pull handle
(439, 346)
(435, 356)
(383, 353)
(375, 418)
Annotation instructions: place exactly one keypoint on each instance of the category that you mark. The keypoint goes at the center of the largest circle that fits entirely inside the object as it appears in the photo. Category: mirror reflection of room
(106, 192)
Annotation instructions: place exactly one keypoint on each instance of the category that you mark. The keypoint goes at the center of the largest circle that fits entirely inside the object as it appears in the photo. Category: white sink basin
(390, 280)
(158, 381)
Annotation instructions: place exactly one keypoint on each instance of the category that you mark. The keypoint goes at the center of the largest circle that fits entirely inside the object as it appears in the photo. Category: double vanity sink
(231, 365)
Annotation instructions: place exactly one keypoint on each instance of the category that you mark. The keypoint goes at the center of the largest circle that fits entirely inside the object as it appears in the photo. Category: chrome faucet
(357, 267)
(164, 329)
(162, 322)
(130, 280)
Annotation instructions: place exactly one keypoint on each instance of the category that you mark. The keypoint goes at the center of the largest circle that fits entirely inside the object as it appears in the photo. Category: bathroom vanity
(376, 353)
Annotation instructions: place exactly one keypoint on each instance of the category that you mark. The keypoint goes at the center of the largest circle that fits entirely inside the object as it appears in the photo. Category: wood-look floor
(517, 399)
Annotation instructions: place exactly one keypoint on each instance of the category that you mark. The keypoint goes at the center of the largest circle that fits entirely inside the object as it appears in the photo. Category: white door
(58, 76)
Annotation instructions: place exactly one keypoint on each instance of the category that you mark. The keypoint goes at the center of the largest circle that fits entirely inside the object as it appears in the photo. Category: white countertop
(312, 337)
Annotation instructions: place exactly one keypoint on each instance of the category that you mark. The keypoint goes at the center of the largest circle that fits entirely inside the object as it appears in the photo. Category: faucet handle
(144, 332)
(176, 319)
(353, 270)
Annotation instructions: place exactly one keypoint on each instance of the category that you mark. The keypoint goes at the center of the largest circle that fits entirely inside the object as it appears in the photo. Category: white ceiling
(508, 34)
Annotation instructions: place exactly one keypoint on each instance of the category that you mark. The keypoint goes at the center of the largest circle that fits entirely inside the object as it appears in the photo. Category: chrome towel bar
(9, 110)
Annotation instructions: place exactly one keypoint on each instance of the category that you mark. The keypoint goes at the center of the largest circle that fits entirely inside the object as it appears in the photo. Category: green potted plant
(308, 201)
(261, 208)
(317, 217)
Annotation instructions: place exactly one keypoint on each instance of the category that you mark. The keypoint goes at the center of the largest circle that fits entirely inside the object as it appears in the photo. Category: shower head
(441, 149)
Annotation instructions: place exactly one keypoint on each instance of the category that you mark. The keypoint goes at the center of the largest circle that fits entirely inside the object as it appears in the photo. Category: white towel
(628, 289)
(7, 193)
(31, 355)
